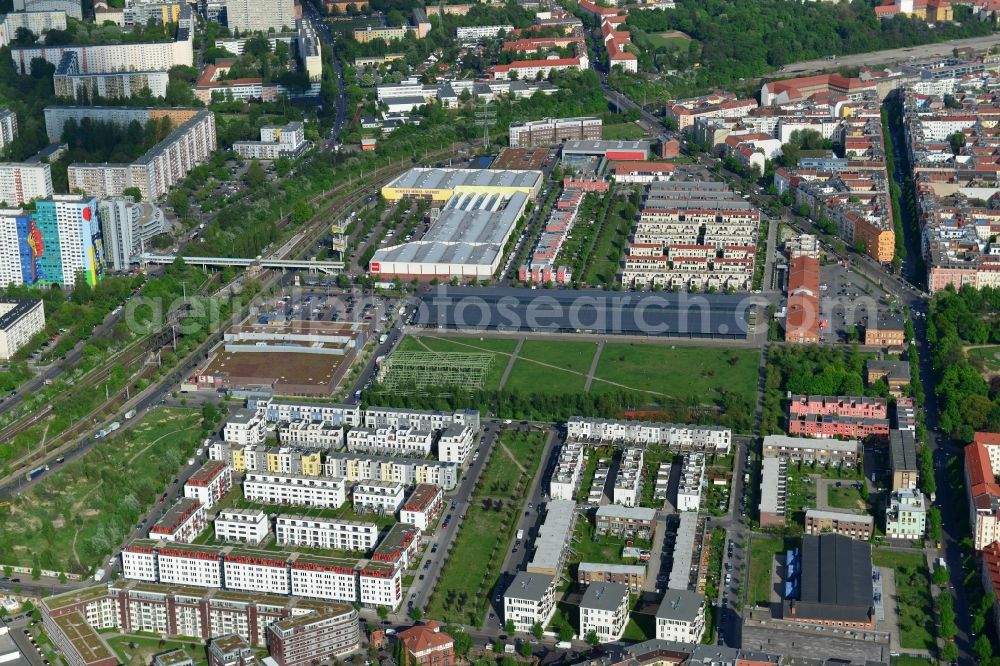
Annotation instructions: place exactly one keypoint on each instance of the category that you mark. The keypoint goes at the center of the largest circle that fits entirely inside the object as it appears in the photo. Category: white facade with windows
(456, 444)
(20, 320)
(242, 526)
(566, 477)
(529, 599)
(293, 530)
(408, 471)
(276, 410)
(379, 496)
(189, 567)
(604, 610)
(681, 617)
(380, 585)
(294, 490)
(139, 564)
(254, 572)
(474, 33)
(421, 419)
(21, 182)
(691, 482)
(245, 428)
(311, 434)
(8, 122)
(324, 581)
(210, 483)
(390, 441)
(906, 516)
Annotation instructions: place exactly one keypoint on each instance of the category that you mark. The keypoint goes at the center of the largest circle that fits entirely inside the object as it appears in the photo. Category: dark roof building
(836, 583)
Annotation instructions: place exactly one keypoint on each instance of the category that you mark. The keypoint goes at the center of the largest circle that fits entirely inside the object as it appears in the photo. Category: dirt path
(512, 458)
(158, 439)
(510, 364)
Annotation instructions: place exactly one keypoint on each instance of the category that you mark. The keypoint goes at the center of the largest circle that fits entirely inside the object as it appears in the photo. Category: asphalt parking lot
(848, 301)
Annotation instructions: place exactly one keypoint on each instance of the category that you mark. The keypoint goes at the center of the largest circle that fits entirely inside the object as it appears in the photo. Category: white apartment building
(691, 482)
(256, 571)
(8, 126)
(321, 578)
(210, 483)
(242, 526)
(144, 57)
(277, 409)
(311, 434)
(285, 141)
(20, 320)
(604, 610)
(456, 444)
(566, 477)
(906, 515)
(22, 182)
(37, 22)
(139, 563)
(628, 482)
(408, 471)
(672, 435)
(68, 7)
(69, 81)
(422, 506)
(390, 441)
(474, 33)
(128, 227)
(380, 584)
(188, 565)
(529, 599)
(260, 15)
(294, 490)
(182, 522)
(397, 417)
(681, 617)
(245, 427)
(294, 530)
(383, 497)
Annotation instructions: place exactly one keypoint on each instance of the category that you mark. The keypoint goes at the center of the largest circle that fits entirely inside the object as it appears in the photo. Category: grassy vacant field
(913, 594)
(673, 39)
(77, 513)
(762, 552)
(989, 356)
(473, 566)
(622, 132)
(551, 367)
(845, 497)
(501, 348)
(681, 372)
(146, 647)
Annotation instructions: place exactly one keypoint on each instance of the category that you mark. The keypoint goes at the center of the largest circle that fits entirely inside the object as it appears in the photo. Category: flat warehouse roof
(593, 311)
(451, 179)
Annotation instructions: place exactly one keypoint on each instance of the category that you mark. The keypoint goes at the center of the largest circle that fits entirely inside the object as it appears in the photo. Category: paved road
(888, 56)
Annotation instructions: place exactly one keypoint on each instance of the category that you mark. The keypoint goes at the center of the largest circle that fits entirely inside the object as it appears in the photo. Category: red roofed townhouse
(685, 112)
(982, 466)
(932, 11)
(210, 483)
(594, 9)
(641, 172)
(427, 645)
(803, 316)
(529, 69)
(774, 93)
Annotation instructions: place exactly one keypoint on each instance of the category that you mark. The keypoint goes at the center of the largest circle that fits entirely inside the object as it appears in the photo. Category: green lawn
(844, 497)
(566, 615)
(571, 363)
(679, 372)
(762, 552)
(501, 476)
(77, 513)
(146, 647)
(640, 627)
(501, 348)
(622, 132)
(473, 567)
(674, 39)
(990, 357)
(913, 592)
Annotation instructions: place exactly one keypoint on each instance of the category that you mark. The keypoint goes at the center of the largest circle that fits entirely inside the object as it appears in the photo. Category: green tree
(36, 572)
(565, 632)
(592, 638)
(940, 576)
(537, 630)
(983, 649)
(416, 613)
(255, 176)
(133, 192)
(525, 649)
(949, 652)
(508, 626)
(383, 612)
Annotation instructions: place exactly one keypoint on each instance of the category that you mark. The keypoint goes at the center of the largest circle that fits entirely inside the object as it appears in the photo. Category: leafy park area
(547, 380)
(139, 650)
(74, 516)
(473, 565)
(966, 401)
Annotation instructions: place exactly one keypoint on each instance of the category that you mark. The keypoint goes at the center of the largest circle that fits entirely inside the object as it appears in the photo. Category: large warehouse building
(468, 234)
